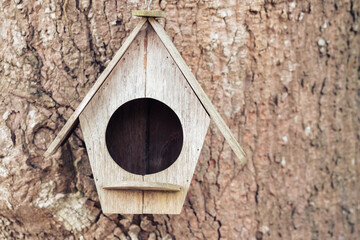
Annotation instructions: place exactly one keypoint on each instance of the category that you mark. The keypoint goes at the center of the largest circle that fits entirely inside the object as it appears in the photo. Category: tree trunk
(284, 75)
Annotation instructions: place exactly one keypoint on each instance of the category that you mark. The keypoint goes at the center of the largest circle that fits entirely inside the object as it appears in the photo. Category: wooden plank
(166, 83)
(145, 186)
(125, 83)
(215, 116)
(148, 13)
(70, 124)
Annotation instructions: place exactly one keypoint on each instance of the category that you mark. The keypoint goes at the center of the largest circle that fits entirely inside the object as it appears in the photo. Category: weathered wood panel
(165, 82)
(126, 82)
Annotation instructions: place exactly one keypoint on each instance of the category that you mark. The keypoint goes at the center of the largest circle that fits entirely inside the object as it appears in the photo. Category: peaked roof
(203, 98)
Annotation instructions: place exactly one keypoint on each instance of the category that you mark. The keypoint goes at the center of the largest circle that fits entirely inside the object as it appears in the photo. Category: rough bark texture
(284, 75)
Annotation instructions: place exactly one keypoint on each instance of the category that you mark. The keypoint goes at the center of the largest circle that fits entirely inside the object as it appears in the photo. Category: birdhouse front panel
(144, 130)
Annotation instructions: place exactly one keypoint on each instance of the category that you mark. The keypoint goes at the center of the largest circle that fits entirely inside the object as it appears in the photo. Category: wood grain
(166, 83)
(126, 82)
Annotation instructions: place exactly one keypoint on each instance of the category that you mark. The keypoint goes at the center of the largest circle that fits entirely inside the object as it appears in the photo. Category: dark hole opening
(144, 136)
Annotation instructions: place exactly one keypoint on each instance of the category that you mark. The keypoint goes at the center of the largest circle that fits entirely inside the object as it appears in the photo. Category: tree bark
(284, 75)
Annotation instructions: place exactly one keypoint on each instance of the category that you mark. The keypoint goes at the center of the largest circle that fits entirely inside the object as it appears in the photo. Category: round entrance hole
(144, 136)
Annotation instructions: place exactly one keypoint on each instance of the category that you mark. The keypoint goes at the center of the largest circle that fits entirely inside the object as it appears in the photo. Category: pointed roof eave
(189, 76)
(70, 124)
(203, 98)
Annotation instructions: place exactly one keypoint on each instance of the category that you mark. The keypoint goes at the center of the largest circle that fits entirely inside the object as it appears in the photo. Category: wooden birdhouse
(144, 122)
